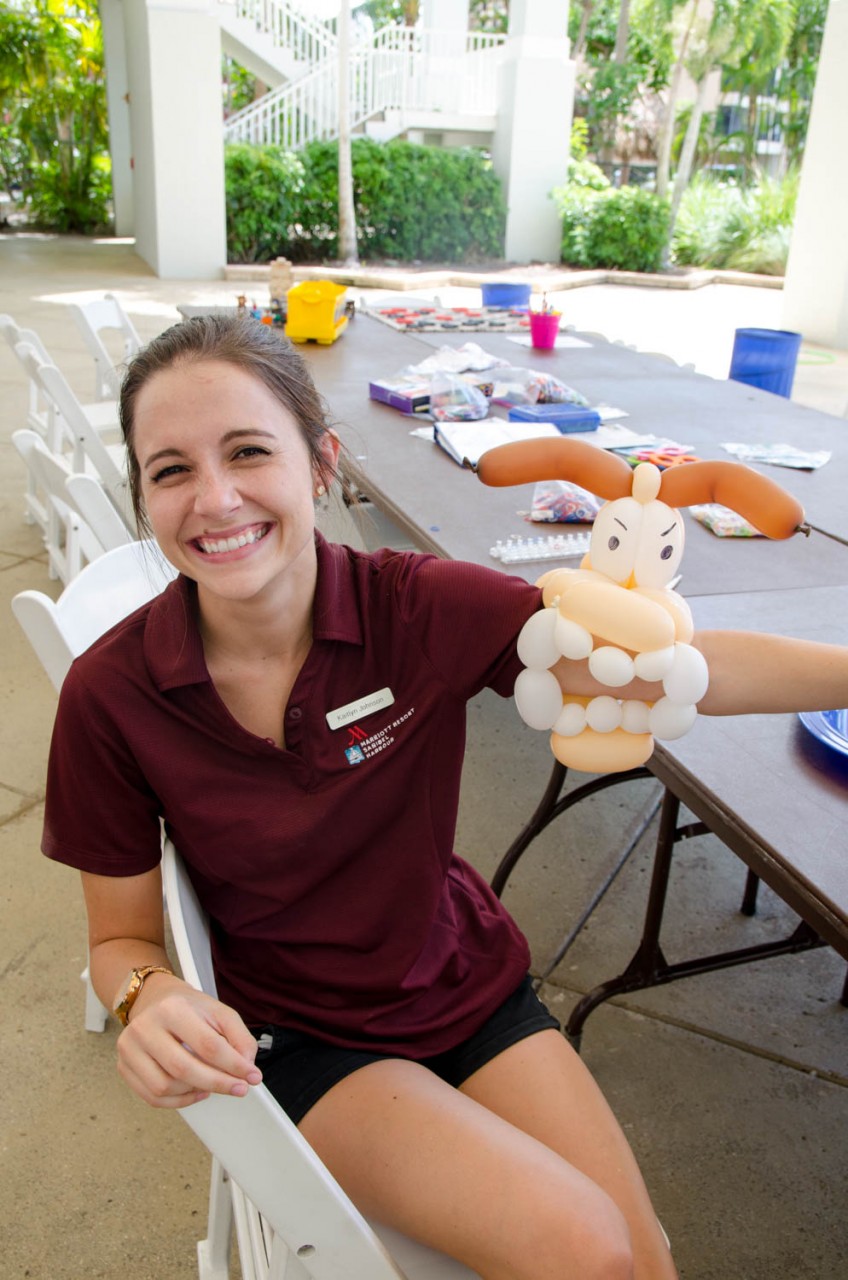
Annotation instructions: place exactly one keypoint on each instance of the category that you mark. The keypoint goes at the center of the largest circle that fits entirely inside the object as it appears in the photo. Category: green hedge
(413, 203)
(614, 227)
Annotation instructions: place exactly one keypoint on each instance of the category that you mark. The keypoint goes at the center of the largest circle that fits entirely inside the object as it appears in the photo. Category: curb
(542, 279)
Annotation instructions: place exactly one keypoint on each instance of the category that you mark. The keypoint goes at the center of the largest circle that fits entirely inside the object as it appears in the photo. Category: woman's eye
(613, 543)
(252, 451)
(167, 472)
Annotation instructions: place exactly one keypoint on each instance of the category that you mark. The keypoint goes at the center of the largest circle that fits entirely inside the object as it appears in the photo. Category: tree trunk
(347, 216)
(666, 137)
(580, 43)
(687, 155)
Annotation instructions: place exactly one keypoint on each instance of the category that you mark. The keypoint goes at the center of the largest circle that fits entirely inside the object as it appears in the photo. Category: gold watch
(132, 990)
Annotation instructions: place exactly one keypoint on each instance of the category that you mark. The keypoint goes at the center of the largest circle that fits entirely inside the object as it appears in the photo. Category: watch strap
(133, 990)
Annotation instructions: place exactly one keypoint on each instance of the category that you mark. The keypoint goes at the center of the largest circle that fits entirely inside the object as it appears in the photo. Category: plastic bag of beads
(561, 502)
(454, 399)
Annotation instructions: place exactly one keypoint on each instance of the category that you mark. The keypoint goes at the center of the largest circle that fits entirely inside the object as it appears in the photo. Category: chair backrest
(87, 441)
(106, 591)
(89, 497)
(265, 1154)
(40, 411)
(92, 318)
(68, 539)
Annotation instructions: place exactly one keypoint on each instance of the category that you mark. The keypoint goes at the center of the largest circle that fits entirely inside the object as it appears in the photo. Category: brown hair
(247, 344)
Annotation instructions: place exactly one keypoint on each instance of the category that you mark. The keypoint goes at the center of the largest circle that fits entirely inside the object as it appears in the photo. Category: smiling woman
(294, 713)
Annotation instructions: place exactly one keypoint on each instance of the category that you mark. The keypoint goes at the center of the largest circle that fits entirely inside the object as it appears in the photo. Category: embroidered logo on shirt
(362, 746)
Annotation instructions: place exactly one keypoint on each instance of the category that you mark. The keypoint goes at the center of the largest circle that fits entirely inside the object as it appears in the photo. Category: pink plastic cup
(544, 327)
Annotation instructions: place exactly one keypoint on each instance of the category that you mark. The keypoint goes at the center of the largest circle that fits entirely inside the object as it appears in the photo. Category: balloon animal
(617, 610)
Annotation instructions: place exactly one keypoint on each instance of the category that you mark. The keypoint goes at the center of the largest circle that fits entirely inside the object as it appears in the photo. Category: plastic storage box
(565, 417)
(316, 311)
(506, 295)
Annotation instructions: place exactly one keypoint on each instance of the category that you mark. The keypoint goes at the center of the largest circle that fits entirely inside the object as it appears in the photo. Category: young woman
(294, 712)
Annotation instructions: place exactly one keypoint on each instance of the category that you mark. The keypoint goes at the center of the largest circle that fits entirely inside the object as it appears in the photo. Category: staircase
(401, 78)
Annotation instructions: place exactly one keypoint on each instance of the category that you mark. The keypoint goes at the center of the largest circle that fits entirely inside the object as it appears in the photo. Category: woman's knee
(570, 1242)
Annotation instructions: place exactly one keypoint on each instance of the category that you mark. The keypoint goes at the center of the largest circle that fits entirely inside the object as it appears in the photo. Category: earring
(320, 491)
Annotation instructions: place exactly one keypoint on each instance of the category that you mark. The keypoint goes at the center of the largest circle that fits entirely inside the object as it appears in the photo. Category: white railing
(306, 39)
(402, 69)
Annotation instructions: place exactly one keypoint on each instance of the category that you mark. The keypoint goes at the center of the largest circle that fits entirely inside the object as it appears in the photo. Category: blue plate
(830, 727)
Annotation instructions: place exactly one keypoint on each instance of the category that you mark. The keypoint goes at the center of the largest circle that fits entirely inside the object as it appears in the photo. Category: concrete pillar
(174, 73)
(444, 15)
(532, 137)
(118, 107)
(815, 294)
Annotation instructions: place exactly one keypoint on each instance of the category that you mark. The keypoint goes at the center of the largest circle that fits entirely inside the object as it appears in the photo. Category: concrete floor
(731, 1087)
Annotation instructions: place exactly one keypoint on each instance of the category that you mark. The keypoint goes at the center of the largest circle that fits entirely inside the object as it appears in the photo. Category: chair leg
(96, 1012)
(213, 1253)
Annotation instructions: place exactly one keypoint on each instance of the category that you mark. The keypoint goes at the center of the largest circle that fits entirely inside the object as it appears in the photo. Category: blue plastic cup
(765, 358)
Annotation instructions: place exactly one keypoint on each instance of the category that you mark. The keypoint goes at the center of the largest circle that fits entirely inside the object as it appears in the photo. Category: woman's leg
(442, 1166)
(542, 1087)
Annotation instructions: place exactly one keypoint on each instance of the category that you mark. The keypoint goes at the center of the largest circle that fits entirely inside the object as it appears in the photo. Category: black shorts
(298, 1069)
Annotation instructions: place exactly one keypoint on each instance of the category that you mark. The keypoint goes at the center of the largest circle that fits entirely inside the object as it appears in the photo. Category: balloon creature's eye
(667, 552)
(613, 543)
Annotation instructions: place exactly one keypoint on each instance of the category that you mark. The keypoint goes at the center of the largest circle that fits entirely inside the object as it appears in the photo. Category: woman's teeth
(215, 546)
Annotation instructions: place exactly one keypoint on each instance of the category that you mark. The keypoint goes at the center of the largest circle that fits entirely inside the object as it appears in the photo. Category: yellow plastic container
(316, 311)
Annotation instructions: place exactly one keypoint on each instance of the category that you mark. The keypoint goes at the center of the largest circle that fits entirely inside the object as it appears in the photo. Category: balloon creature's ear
(524, 461)
(768, 507)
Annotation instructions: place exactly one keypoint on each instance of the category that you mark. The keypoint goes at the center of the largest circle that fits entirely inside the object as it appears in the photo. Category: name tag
(362, 707)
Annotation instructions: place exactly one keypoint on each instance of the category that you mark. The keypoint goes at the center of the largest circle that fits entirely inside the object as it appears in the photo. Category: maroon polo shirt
(336, 902)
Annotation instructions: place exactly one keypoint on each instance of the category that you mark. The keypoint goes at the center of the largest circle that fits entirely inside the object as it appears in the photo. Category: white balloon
(655, 663)
(688, 679)
(538, 698)
(572, 640)
(611, 666)
(571, 720)
(634, 716)
(670, 720)
(536, 646)
(603, 714)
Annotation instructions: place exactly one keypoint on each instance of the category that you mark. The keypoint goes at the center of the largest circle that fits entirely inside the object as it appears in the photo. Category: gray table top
(446, 510)
(783, 812)
(774, 793)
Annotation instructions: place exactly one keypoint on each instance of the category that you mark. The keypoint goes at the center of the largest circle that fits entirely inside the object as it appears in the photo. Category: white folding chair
(68, 539)
(42, 414)
(106, 591)
(291, 1217)
(89, 450)
(95, 317)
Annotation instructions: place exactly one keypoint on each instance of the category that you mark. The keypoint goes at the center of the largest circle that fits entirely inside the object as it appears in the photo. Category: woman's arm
(749, 671)
(754, 672)
(180, 1045)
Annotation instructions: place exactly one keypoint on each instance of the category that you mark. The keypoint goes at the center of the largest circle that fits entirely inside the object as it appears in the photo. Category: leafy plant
(736, 228)
(621, 228)
(413, 203)
(53, 106)
(262, 187)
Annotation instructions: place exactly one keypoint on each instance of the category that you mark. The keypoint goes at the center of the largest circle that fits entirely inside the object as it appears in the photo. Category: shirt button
(295, 713)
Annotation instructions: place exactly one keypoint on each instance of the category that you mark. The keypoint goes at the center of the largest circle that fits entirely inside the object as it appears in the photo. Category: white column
(815, 294)
(174, 71)
(118, 107)
(532, 137)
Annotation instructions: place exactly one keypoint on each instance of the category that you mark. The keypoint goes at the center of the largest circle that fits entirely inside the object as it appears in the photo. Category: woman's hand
(181, 1045)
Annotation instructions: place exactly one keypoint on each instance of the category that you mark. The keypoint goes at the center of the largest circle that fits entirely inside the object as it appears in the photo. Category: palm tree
(347, 214)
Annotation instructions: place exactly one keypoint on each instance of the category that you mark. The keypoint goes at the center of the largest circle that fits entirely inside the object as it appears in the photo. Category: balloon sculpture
(617, 610)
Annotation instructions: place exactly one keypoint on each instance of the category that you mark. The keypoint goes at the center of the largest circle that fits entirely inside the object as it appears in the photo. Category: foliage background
(53, 118)
(413, 203)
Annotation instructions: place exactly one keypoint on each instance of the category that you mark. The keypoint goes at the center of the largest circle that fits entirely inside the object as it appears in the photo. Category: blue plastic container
(566, 417)
(765, 358)
(506, 295)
